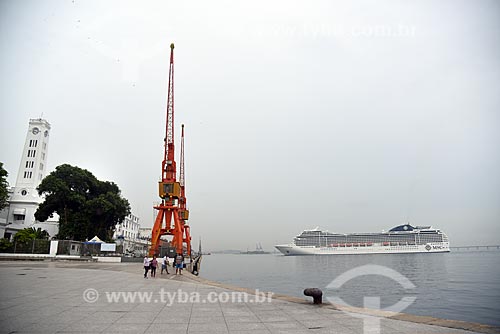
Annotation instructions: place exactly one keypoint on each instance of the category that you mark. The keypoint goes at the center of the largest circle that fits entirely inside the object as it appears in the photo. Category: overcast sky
(353, 116)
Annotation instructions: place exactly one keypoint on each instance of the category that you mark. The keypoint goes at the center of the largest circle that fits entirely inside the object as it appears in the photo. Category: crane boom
(168, 164)
(183, 211)
(182, 181)
(181, 168)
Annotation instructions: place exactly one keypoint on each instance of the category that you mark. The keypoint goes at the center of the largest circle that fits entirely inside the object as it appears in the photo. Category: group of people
(153, 264)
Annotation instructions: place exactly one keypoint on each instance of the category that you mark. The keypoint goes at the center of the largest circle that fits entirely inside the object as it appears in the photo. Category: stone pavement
(53, 297)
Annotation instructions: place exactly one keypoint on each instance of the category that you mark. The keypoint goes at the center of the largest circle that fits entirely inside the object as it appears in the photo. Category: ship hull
(375, 249)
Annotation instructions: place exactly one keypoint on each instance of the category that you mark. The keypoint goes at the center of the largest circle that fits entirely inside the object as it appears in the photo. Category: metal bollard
(316, 293)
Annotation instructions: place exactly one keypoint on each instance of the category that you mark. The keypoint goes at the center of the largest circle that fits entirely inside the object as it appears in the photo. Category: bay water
(460, 285)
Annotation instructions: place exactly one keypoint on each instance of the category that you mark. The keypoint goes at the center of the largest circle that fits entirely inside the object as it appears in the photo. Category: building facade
(128, 229)
(145, 233)
(24, 198)
(127, 233)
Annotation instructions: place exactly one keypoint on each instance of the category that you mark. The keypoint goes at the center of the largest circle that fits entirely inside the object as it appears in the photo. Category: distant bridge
(489, 247)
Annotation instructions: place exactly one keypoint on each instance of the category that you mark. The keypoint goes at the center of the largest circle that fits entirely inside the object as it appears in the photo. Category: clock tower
(24, 199)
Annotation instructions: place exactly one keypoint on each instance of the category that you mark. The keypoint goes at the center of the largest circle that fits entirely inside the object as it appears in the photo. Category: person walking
(179, 259)
(146, 266)
(154, 264)
(164, 265)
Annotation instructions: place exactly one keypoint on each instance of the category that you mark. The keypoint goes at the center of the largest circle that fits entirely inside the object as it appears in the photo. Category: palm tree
(30, 233)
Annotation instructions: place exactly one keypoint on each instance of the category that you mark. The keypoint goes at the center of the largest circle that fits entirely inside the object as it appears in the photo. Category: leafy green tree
(5, 245)
(85, 205)
(4, 185)
(30, 233)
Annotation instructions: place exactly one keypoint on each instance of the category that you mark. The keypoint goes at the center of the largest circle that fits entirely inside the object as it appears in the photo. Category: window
(27, 164)
(41, 166)
(18, 217)
(43, 156)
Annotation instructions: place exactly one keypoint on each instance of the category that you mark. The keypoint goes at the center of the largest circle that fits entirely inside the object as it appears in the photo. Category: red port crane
(183, 211)
(171, 192)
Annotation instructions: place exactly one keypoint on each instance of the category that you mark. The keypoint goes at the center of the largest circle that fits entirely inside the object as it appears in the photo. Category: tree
(85, 205)
(30, 233)
(5, 245)
(4, 185)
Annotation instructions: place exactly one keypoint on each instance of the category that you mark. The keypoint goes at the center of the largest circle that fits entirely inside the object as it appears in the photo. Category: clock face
(35, 131)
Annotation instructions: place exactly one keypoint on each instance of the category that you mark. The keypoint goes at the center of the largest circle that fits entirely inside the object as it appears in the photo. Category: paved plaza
(59, 297)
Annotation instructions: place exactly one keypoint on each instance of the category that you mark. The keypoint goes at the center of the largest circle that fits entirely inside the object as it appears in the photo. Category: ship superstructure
(400, 239)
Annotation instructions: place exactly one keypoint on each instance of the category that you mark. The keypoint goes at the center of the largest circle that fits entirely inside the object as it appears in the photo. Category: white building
(145, 233)
(24, 198)
(128, 233)
(128, 230)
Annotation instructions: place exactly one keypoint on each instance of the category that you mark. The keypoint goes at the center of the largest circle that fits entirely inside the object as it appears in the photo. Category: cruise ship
(400, 239)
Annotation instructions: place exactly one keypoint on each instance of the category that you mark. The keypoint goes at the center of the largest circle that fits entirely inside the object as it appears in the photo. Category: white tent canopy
(95, 239)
